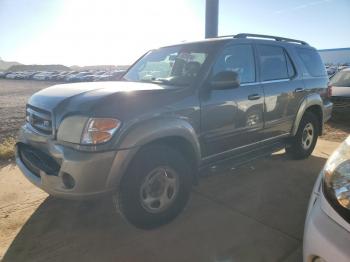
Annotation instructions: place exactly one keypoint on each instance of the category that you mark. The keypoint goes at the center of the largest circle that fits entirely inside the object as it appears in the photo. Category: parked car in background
(103, 77)
(340, 86)
(327, 226)
(70, 74)
(178, 110)
(87, 78)
(4, 74)
(41, 75)
(331, 71)
(117, 75)
(62, 75)
(77, 77)
(11, 75)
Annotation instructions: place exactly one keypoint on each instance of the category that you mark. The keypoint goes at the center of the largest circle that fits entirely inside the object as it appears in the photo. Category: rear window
(312, 62)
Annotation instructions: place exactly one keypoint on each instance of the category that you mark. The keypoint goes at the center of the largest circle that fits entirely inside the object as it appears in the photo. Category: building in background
(337, 56)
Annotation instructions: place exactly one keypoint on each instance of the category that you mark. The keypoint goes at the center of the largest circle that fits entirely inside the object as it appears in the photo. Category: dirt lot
(13, 98)
(240, 215)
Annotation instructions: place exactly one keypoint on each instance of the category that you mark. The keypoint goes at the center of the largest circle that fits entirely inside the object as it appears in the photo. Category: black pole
(211, 18)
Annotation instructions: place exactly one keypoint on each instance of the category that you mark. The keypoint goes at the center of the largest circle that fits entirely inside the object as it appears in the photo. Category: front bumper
(326, 234)
(93, 173)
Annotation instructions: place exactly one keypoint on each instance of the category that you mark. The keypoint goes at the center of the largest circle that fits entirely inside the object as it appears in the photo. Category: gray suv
(178, 110)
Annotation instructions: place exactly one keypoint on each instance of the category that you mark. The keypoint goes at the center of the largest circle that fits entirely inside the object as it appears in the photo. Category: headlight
(337, 179)
(99, 130)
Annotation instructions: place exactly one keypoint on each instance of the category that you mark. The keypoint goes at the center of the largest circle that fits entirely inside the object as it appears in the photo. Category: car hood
(341, 91)
(51, 97)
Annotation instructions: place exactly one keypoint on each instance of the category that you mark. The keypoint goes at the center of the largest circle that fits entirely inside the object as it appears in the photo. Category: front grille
(36, 160)
(340, 102)
(39, 119)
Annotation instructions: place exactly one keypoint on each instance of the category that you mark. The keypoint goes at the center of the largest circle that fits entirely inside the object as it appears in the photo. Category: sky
(97, 32)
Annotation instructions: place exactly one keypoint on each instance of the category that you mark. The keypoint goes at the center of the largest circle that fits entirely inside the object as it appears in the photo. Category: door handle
(254, 97)
(298, 90)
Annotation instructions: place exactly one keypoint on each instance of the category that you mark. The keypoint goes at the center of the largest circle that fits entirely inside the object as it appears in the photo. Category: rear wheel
(155, 188)
(304, 142)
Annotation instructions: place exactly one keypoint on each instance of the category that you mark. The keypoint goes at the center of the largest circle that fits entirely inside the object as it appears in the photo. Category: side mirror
(225, 80)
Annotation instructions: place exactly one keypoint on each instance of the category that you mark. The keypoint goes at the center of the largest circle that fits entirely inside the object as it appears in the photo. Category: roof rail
(277, 38)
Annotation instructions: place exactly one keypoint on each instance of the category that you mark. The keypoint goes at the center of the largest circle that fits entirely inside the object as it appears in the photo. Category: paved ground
(253, 213)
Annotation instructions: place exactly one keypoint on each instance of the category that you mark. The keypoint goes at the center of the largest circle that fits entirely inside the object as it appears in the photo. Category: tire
(299, 147)
(134, 199)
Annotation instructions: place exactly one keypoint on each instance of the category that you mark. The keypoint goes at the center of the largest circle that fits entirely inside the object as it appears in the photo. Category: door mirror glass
(225, 80)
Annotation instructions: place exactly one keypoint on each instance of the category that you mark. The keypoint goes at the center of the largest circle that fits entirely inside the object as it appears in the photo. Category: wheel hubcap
(159, 189)
(308, 136)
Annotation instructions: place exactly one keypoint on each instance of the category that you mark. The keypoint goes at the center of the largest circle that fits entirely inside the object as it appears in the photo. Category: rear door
(232, 117)
(283, 88)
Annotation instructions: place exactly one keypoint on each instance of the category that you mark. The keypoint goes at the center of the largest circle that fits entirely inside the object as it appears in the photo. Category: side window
(290, 67)
(273, 63)
(238, 58)
(312, 61)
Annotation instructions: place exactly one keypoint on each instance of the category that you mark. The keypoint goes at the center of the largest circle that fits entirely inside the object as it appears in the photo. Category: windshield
(178, 65)
(341, 79)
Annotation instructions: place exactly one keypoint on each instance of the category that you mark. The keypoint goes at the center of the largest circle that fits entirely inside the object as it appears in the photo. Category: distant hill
(39, 68)
(15, 66)
(100, 67)
(4, 65)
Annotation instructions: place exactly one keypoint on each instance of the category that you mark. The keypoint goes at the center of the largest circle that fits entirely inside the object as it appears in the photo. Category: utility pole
(211, 18)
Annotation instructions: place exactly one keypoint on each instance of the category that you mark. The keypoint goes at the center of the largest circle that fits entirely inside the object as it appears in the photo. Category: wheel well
(185, 147)
(317, 111)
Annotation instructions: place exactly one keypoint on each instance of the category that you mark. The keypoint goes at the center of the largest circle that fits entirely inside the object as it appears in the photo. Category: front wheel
(304, 142)
(155, 188)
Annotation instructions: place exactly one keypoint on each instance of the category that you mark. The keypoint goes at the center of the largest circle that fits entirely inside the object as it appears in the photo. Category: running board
(237, 160)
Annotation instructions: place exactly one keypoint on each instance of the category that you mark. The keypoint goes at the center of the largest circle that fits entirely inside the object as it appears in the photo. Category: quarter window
(312, 61)
(274, 64)
(237, 58)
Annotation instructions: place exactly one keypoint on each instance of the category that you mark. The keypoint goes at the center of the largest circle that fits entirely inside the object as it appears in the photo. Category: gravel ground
(13, 98)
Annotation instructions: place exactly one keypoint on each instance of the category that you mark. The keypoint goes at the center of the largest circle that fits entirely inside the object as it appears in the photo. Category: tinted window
(312, 61)
(237, 58)
(290, 67)
(273, 63)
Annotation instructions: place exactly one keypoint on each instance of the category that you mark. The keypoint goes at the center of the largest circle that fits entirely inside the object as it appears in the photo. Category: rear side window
(274, 63)
(312, 62)
(237, 58)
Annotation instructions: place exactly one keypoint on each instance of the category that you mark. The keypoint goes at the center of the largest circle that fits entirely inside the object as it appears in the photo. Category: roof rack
(277, 38)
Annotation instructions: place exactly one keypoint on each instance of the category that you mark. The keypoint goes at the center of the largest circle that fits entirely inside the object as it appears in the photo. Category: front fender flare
(146, 132)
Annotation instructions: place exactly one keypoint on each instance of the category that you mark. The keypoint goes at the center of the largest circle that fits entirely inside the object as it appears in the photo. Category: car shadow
(213, 228)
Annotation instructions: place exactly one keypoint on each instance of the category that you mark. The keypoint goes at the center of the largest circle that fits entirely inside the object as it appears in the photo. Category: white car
(41, 75)
(327, 226)
(340, 91)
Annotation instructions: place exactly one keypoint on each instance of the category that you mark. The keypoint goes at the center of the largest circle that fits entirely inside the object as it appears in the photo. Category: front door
(232, 117)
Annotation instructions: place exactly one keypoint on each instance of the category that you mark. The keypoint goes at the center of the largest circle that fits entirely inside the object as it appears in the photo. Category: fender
(310, 100)
(145, 132)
